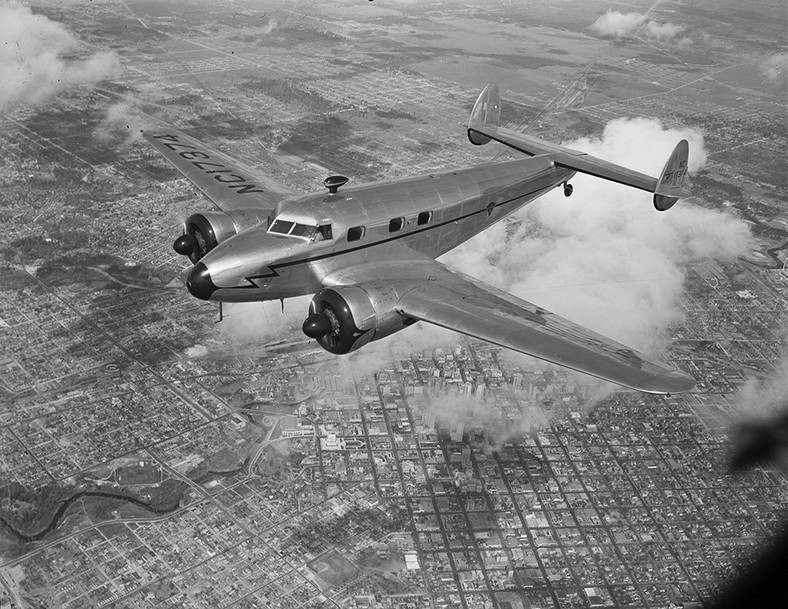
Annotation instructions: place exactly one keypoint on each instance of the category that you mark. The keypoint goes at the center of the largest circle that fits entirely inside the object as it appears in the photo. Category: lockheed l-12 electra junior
(368, 252)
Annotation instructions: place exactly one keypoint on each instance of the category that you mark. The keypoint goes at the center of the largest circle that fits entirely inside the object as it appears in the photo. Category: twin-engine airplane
(368, 252)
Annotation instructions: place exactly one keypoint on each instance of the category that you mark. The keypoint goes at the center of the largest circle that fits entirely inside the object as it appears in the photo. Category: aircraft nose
(199, 282)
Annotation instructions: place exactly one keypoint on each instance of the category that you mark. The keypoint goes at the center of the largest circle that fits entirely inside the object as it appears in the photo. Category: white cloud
(759, 416)
(122, 120)
(32, 63)
(376, 355)
(269, 27)
(614, 24)
(196, 351)
(764, 397)
(475, 414)
(662, 31)
(261, 322)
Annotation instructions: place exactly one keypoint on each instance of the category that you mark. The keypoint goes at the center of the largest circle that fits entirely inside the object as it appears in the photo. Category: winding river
(65, 505)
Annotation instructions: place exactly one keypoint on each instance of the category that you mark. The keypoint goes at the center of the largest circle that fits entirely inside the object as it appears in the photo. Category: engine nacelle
(203, 232)
(345, 318)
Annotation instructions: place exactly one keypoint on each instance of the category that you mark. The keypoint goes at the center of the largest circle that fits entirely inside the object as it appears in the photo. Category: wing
(225, 181)
(467, 306)
(429, 291)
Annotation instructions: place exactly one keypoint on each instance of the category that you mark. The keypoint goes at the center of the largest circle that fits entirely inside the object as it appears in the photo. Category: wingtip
(669, 383)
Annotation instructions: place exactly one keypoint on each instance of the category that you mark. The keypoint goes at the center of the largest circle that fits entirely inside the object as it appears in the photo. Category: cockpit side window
(302, 230)
(323, 233)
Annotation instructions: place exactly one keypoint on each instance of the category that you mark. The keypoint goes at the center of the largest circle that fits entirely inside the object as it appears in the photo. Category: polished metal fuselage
(439, 211)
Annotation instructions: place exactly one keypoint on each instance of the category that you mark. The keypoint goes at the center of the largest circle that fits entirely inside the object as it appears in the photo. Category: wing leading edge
(224, 180)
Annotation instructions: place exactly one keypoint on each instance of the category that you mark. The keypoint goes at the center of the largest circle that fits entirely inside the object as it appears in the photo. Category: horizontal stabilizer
(483, 127)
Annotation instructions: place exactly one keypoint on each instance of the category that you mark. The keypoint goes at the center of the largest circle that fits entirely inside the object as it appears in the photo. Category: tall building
(428, 419)
(456, 435)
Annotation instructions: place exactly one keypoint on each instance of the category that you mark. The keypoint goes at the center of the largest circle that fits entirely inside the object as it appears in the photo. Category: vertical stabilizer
(486, 111)
(670, 185)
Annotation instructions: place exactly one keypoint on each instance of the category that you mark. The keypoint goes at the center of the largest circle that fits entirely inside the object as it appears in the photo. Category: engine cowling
(345, 318)
(202, 232)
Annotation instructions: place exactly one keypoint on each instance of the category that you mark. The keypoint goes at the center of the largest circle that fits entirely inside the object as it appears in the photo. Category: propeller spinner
(185, 245)
(317, 325)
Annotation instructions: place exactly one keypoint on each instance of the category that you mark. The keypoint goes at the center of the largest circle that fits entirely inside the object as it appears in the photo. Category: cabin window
(355, 233)
(396, 224)
(424, 217)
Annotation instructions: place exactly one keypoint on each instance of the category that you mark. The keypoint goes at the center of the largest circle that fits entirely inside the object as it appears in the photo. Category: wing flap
(470, 307)
(224, 180)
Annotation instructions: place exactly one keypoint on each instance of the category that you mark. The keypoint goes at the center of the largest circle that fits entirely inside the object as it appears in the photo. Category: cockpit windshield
(304, 231)
(286, 227)
(281, 226)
